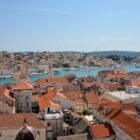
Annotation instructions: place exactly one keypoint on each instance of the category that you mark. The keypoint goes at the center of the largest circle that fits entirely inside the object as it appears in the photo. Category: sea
(78, 72)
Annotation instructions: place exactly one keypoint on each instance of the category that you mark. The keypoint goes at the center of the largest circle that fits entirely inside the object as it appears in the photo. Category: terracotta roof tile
(135, 83)
(11, 121)
(128, 124)
(52, 80)
(6, 94)
(2, 90)
(44, 102)
(102, 130)
(22, 86)
(91, 98)
(87, 84)
(80, 102)
(120, 71)
(74, 95)
(51, 95)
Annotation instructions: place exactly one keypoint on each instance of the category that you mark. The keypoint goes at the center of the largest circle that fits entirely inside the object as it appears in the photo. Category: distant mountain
(119, 53)
(96, 53)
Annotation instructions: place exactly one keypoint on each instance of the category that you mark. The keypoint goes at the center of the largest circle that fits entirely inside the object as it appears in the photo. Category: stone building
(13, 126)
(54, 124)
(22, 92)
(20, 76)
(113, 114)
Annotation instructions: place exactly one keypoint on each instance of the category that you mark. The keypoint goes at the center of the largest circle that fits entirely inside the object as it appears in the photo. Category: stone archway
(24, 134)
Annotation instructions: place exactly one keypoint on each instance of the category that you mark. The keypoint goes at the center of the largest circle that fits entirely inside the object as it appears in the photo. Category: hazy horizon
(92, 25)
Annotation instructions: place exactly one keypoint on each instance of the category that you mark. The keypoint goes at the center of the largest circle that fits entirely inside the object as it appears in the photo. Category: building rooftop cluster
(40, 62)
(89, 108)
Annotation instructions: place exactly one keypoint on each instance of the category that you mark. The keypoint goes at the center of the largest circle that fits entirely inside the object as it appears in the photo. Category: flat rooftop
(122, 95)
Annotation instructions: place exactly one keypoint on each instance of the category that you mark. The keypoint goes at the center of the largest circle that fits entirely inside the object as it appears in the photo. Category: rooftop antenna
(24, 122)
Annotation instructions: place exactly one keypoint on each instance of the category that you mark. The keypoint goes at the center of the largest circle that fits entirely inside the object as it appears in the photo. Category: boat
(56, 70)
(5, 76)
(46, 72)
(2, 77)
(38, 72)
(137, 65)
(35, 73)
(8, 76)
(74, 69)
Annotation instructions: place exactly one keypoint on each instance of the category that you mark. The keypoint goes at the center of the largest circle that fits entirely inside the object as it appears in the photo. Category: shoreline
(79, 72)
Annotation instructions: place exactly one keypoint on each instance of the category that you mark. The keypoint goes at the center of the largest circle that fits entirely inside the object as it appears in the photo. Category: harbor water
(77, 72)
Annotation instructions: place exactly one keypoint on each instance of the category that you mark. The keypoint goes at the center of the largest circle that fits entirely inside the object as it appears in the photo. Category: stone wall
(10, 134)
(23, 100)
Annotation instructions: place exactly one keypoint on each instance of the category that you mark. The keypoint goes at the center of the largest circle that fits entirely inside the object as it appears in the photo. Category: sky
(69, 25)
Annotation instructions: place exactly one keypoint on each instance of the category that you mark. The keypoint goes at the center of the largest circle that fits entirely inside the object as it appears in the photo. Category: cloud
(39, 10)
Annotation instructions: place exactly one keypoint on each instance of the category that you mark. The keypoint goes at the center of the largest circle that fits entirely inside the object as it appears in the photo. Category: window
(48, 124)
(20, 105)
(38, 132)
(27, 97)
(27, 104)
(48, 110)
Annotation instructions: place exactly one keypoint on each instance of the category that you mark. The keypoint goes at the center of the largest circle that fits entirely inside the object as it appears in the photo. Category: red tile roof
(52, 80)
(51, 95)
(130, 107)
(117, 76)
(6, 94)
(128, 124)
(36, 97)
(120, 71)
(44, 102)
(15, 121)
(122, 120)
(23, 65)
(74, 95)
(80, 102)
(135, 83)
(87, 84)
(22, 86)
(2, 90)
(102, 130)
(112, 86)
(91, 98)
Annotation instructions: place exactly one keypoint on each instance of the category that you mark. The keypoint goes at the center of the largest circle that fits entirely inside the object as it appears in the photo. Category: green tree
(66, 65)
